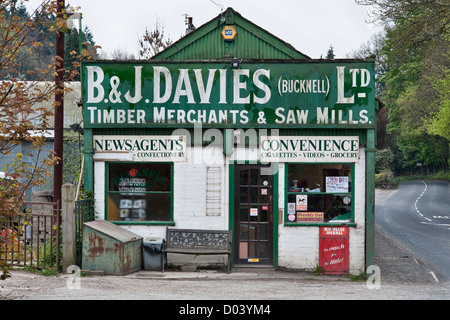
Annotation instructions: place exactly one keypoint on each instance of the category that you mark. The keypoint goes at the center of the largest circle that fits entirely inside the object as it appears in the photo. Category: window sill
(152, 223)
(323, 224)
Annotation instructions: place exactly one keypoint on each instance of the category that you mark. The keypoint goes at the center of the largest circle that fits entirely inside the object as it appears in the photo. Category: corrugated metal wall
(245, 46)
(251, 42)
(33, 156)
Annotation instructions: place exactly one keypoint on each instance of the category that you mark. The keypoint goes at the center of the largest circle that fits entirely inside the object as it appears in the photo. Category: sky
(310, 26)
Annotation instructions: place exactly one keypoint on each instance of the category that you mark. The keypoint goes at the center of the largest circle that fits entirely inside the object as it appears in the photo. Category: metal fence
(33, 237)
(84, 212)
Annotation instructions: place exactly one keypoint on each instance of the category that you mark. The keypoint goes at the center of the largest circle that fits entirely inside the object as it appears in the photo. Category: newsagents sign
(181, 94)
(143, 148)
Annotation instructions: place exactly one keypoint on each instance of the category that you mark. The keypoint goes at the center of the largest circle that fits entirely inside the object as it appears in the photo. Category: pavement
(402, 276)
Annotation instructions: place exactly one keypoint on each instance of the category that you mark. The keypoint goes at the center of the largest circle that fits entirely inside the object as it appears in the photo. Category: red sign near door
(334, 250)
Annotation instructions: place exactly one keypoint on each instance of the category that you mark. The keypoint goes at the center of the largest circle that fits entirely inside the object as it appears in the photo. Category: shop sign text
(309, 149)
(265, 95)
(144, 148)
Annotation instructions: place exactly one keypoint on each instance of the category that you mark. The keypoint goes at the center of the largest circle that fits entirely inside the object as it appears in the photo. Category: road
(417, 216)
(402, 278)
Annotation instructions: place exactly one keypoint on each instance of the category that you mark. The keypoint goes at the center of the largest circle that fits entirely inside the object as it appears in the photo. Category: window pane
(139, 177)
(139, 192)
(243, 177)
(139, 207)
(337, 207)
(319, 193)
(314, 177)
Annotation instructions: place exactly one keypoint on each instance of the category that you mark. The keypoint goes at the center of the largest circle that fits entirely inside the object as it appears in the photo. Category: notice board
(334, 250)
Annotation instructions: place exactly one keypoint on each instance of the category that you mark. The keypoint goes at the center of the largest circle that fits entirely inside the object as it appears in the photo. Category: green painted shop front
(270, 114)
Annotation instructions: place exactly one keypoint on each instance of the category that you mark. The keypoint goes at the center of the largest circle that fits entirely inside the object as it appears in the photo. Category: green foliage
(384, 159)
(439, 121)
(385, 179)
(72, 157)
(416, 83)
(362, 276)
(47, 254)
(330, 53)
(318, 270)
(72, 54)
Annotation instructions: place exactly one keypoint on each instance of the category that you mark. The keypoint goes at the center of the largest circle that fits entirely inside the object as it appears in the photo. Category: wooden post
(68, 225)
(59, 107)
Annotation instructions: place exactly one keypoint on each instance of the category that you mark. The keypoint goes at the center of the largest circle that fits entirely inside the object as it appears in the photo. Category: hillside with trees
(412, 67)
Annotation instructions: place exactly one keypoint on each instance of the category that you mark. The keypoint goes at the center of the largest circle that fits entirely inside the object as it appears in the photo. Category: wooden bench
(198, 242)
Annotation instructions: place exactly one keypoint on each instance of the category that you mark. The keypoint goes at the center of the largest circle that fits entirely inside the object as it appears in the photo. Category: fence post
(68, 225)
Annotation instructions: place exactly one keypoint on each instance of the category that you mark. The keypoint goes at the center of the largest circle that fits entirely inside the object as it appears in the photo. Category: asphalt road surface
(417, 216)
(423, 232)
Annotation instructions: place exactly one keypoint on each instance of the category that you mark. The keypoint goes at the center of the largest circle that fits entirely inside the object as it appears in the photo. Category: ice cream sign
(263, 95)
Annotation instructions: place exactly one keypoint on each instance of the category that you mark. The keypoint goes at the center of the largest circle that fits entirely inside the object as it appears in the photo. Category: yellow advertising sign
(309, 216)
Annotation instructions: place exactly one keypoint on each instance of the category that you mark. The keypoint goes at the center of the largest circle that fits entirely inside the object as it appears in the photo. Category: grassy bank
(386, 179)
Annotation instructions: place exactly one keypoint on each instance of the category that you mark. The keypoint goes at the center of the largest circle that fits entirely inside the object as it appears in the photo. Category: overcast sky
(311, 26)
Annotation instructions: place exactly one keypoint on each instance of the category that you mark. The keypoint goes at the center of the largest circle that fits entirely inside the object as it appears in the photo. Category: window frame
(309, 224)
(170, 222)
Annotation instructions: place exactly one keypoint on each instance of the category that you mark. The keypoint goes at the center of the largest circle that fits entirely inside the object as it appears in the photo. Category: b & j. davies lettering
(270, 95)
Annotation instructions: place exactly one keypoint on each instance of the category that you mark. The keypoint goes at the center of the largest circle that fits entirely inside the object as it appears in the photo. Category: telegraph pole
(59, 105)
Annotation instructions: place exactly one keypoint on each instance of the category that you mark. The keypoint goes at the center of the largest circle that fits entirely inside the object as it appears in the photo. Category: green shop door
(253, 235)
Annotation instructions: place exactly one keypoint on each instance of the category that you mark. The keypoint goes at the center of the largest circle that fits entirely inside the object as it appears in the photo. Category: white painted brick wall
(298, 246)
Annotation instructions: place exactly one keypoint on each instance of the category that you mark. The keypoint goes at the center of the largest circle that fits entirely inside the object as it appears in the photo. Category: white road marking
(434, 276)
(417, 200)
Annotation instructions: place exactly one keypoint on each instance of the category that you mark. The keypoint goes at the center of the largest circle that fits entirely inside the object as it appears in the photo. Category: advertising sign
(256, 94)
(144, 148)
(302, 202)
(334, 249)
(336, 184)
(309, 217)
(309, 149)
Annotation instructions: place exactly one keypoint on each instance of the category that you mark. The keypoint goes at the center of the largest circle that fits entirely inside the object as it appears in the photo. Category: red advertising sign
(334, 250)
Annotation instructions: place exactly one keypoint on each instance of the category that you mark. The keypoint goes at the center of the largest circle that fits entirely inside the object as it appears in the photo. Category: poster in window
(126, 203)
(124, 213)
(291, 208)
(302, 202)
(336, 184)
(309, 217)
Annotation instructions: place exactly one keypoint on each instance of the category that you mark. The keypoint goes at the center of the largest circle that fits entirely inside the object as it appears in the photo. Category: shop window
(319, 193)
(139, 192)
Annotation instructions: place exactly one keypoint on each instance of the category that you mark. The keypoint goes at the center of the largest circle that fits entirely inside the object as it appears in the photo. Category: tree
(330, 53)
(373, 49)
(439, 121)
(153, 41)
(72, 54)
(415, 58)
(20, 118)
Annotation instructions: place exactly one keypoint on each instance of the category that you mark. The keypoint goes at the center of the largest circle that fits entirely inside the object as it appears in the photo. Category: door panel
(253, 215)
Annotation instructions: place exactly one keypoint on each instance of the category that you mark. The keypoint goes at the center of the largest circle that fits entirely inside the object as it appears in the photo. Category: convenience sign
(264, 95)
(309, 149)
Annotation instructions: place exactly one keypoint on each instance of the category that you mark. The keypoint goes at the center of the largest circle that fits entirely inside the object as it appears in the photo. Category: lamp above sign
(229, 33)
